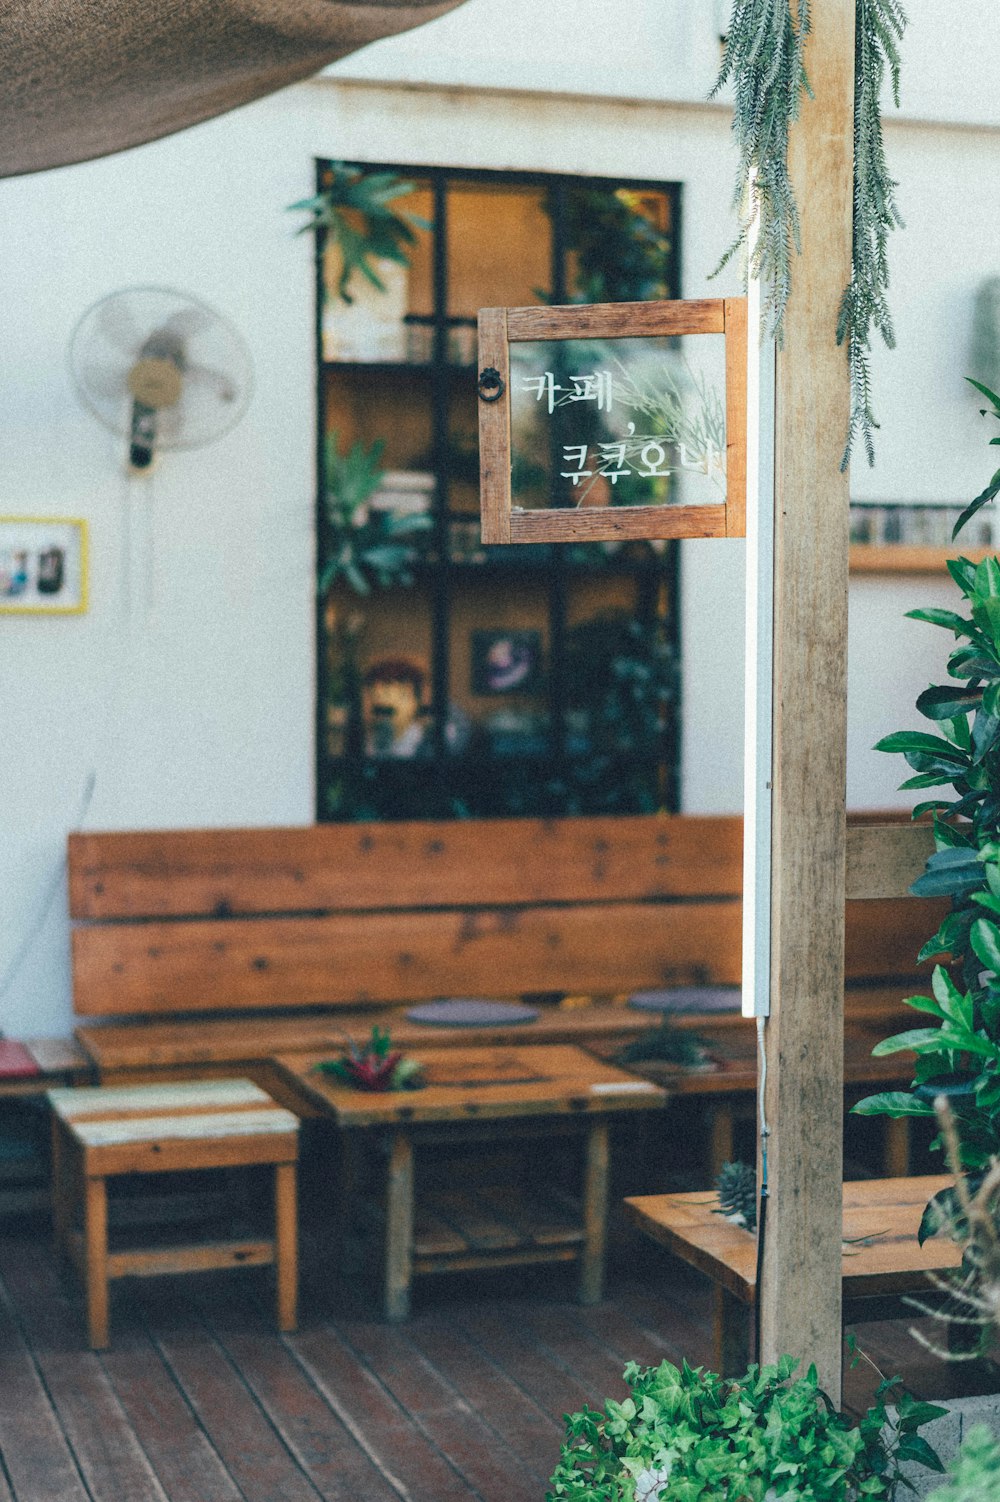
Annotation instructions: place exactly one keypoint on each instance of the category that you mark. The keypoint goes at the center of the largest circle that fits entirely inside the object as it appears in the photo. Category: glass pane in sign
(618, 422)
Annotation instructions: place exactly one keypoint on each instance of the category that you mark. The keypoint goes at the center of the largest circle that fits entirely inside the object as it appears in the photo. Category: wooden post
(800, 1289)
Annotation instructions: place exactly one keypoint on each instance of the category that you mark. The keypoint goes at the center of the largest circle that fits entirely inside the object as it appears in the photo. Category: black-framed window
(534, 680)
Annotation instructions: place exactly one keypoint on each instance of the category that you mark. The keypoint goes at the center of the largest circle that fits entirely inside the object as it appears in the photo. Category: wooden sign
(611, 421)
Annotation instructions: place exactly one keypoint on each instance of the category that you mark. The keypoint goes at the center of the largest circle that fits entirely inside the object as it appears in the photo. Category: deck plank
(200, 1400)
(335, 1460)
(35, 1451)
(444, 1413)
(254, 1453)
(532, 1433)
(111, 1461)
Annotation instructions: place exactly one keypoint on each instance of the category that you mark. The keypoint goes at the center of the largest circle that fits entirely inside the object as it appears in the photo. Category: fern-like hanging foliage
(864, 306)
(764, 58)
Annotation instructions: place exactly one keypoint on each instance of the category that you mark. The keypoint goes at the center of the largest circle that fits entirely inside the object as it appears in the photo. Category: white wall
(188, 686)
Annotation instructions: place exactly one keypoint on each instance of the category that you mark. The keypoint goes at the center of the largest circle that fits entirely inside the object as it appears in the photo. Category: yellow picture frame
(43, 565)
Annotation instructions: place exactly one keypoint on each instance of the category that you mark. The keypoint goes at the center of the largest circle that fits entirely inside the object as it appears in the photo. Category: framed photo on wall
(43, 565)
(506, 662)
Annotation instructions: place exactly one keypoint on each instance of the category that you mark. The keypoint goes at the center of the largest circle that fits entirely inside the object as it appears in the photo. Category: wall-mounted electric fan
(160, 368)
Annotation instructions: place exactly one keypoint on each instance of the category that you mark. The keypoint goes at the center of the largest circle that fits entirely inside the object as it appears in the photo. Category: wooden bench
(209, 952)
(881, 1262)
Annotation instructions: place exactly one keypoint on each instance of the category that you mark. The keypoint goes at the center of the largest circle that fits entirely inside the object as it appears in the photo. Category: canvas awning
(84, 78)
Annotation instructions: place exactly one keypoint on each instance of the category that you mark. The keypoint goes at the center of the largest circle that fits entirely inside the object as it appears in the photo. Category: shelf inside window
(909, 558)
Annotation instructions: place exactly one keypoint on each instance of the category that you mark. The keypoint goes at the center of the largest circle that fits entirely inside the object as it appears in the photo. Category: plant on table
(375, 1066)
(687, 1435)
(736, 1187)
(667, 1044)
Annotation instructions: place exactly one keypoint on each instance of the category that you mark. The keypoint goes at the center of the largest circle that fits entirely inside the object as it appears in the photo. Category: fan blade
(105, 382)
(186, 322)
(204, 375)
(116, 323)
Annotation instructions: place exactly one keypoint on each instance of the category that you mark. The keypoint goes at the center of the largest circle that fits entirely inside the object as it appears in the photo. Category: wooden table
(490, 1095)
(728, 1091)
(891, 1264)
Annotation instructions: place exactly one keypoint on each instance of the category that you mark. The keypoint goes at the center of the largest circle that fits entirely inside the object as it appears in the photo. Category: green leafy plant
(376, 1066)
(362, 545)
(736, 1187)
(354, 208)
(764, 58)
(964, 1046)
(687, 1435)
(992, 490)
(666, 1044)
(974, 1475)
(879, 28)
(620, 255)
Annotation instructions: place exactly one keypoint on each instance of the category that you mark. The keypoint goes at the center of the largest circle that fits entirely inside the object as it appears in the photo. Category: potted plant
(688, 1435)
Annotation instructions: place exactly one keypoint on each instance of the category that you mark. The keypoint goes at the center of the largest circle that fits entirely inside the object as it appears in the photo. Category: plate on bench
(470, 1012)
(688, 999)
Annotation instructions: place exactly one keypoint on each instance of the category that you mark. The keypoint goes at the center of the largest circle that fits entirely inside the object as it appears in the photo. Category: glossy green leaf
(894, 1103)
(903, 741)
(946, 618)
(985, 940)
(913, 1041)
(943, 703)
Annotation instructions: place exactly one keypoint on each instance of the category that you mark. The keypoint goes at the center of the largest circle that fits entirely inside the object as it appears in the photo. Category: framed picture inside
(506, 662)
(43, 565)
(602, 422)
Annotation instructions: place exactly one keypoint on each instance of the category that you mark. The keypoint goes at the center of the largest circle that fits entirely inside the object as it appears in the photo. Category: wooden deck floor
(200, 1401)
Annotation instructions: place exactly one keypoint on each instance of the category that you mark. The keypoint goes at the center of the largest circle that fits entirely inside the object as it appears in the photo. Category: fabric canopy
(82, 78)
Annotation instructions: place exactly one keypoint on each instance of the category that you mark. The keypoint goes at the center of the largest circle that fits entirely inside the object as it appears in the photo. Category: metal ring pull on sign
(491, 385)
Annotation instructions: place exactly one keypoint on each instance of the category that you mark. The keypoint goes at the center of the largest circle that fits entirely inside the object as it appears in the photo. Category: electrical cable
(765, 1132)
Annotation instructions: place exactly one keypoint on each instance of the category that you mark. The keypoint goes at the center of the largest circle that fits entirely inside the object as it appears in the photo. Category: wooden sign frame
(499, 328)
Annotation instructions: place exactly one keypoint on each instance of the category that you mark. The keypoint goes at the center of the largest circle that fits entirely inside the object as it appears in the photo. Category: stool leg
(61, 1206)
(95, 1231)
(286, 1244)
(595, 1212)
(399, 1228)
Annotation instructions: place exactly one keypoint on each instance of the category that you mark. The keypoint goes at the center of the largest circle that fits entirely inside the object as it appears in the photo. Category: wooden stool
(103, 1132)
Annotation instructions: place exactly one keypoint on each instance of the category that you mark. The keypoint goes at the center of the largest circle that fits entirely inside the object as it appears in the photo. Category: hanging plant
(764, 58)
(354, 208)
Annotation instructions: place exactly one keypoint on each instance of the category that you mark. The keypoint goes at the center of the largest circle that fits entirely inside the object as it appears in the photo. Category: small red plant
(375, 1066)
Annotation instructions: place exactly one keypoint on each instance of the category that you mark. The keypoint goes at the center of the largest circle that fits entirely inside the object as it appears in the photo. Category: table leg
(399, 1227)
(286, 1248)
(731, 1322)
(595, 1212)
(896, 1148)
(95, 1232)
(720, 1136)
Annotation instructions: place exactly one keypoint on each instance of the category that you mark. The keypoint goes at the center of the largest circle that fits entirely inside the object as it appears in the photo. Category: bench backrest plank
(379, 867)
